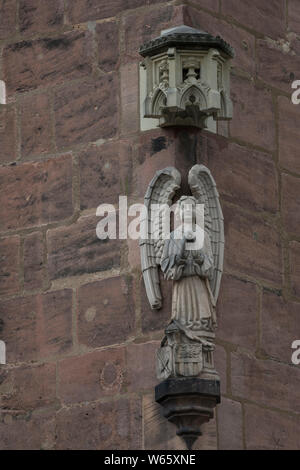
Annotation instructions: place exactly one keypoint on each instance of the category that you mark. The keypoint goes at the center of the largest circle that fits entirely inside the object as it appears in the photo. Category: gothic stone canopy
(187, 77)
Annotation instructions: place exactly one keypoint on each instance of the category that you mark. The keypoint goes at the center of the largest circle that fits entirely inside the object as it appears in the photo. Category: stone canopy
(185, 37)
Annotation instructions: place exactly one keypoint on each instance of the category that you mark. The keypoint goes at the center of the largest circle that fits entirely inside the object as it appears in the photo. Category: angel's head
(186, 209)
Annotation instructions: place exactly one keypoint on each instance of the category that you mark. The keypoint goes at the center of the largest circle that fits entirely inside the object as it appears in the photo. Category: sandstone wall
(80, 335)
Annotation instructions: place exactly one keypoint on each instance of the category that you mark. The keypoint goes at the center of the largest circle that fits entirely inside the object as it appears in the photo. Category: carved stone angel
(193, 263)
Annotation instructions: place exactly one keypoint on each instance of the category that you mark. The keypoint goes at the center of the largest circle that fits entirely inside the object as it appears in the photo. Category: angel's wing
(204, 189)
(160, 192)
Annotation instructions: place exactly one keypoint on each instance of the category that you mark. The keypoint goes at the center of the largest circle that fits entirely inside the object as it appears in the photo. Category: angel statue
(192, 258)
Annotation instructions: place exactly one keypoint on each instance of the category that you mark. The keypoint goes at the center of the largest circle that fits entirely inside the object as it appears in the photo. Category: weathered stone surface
(9, 265)
(243, 176)
(212, 5)
(31, 64)
(230, 425)
(27, 387)
(36, 193)
(271, 430)
(265, 382)
(37, 326)
(252, 246)
(160, 434)
(40, 16)
(8, 11)
(184, 141)
(92, 376)
(220, 360)
(86, 112)
(129, 101)
(141, 362)
(264, 17)
(106, 312)
(291, 203)
(36, 126)
(141, 26)
(294, 16)
(277, 64)
(280, 326)
(289, 134)
(242, 41)
(105, 173)
(8, 134)
(116, 424)
(70, 436)
(155, 150)
(79, 11)
(236, 310)
(295, 267)
(26, 430)
(108, 45)
(253, 118)
(134, 257)
(34, 268)
(75, 249)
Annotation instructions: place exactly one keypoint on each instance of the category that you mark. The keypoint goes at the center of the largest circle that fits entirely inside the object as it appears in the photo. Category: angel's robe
(193, 304)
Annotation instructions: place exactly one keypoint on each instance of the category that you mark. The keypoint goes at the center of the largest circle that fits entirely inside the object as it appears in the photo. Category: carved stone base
(188, 402)
(180, 356)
